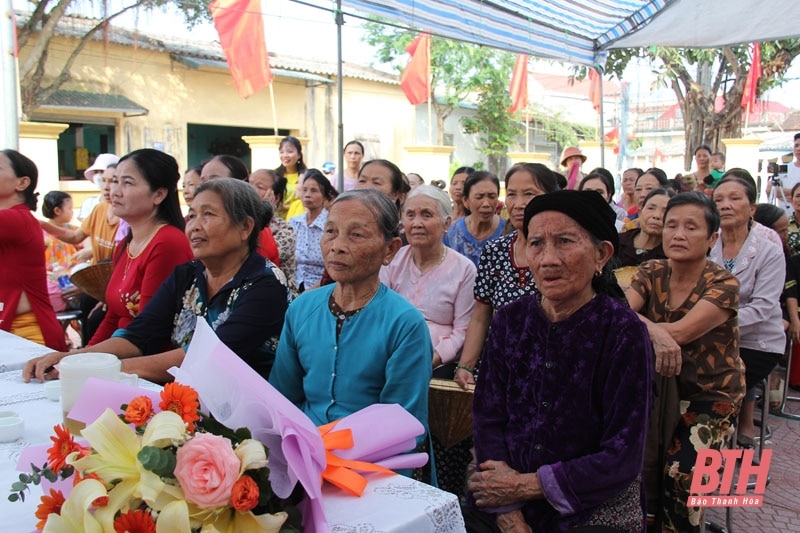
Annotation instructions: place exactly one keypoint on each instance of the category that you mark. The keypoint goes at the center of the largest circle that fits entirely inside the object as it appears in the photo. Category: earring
(598, 273)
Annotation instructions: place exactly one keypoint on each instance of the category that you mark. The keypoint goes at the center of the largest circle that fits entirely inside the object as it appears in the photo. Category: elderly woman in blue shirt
(562, 403)
(355, 342)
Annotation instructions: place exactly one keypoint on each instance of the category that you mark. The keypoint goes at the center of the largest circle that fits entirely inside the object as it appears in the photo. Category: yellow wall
(176, 94)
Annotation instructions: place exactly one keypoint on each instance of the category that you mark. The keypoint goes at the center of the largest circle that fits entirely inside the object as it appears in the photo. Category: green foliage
(698, 76)
(498, 130)
(19, 488)
(159, 461)
(36, 82)
(557, 129)
(459, 71)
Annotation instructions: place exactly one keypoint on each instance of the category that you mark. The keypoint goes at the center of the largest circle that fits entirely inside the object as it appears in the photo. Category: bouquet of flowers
(159, 469)
(176, 468)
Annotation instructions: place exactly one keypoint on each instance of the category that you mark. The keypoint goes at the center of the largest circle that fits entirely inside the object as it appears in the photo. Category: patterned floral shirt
(247, 313)
(58, 254)
(286, 240)
(711, 369)
(500, 281)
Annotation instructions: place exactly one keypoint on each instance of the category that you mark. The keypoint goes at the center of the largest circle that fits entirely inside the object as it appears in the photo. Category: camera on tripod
(776, 172)
(776, 169)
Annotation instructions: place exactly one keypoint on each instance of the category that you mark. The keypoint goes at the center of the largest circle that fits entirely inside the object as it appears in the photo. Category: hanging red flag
(240, 27)
(518, 89)
(751, 85)
(658, 155)
(416, 78)
(595, 91)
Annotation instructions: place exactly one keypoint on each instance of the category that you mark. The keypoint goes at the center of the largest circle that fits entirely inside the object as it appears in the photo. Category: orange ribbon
(341, 472)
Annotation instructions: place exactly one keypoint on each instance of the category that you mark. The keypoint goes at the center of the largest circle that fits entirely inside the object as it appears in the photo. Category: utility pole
(9, 88)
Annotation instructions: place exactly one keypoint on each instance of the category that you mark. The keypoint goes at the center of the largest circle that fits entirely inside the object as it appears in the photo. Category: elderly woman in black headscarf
(562, 403)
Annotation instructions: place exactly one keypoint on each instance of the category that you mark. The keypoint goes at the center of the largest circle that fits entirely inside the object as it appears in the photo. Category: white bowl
(11, 428)
(52, 390)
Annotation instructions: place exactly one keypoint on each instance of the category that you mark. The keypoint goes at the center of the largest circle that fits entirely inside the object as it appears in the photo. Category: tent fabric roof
(579, 32)
(567, 30)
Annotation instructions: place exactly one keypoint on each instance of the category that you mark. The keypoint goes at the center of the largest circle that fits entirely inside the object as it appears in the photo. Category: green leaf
(19, 486)
(13, 497)
(160, 462)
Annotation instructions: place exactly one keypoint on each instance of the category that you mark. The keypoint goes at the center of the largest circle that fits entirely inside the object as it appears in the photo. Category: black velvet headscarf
(591, 211)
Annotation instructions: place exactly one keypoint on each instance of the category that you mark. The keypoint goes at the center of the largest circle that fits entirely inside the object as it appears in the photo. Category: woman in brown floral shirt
(690, 307)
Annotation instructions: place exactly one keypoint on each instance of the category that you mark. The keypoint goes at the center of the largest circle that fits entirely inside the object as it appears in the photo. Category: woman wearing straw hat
(571, 159)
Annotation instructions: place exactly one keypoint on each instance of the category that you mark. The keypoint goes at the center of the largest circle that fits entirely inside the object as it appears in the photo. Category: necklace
(439, 262)
(130, 256)
(341, 314)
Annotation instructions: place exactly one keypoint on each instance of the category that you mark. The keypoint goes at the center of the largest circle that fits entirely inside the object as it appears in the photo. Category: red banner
(751, 85)
(416, 78)
(240, 27)
(595, 89)
(518, 88)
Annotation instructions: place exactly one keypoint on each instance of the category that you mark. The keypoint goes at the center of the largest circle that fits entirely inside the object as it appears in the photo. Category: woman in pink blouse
(436, 280)
(439, 282)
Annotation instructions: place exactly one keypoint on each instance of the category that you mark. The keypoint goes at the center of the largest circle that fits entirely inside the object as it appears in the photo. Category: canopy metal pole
(9, 88)
(602, 125)
(339, 90)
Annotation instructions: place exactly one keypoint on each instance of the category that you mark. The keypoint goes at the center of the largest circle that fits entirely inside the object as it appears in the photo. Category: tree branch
(24, 33)
(32, 80)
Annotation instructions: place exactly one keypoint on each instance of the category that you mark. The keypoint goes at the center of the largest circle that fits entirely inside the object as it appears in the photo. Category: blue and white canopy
(578, 31)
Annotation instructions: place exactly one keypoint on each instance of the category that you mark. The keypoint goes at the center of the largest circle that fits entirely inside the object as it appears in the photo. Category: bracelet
(465, 367)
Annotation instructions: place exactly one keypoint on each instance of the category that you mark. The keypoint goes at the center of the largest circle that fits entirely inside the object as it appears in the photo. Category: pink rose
(207, 468)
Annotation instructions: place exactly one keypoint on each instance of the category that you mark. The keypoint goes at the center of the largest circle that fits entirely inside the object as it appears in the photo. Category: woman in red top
(25, 308)
(144, 193)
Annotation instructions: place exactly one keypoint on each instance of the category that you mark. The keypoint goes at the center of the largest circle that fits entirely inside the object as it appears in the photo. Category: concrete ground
(780, 511)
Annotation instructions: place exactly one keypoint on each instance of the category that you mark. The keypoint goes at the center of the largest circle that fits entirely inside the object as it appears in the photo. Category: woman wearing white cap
(94, 174)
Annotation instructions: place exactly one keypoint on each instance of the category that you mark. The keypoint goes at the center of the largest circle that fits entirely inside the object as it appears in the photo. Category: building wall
(176, 94)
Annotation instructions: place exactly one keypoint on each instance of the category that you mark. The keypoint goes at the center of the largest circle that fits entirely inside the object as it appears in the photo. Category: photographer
(792, 175)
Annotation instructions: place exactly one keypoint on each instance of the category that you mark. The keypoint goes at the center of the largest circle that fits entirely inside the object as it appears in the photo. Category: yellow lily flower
(115, 447)
(75, 517)
(173, 517)
(252, 455)
(231, 521)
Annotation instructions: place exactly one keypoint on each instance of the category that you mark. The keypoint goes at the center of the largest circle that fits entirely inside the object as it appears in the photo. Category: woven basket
(449, 411)
(93, 280)
(624, 276)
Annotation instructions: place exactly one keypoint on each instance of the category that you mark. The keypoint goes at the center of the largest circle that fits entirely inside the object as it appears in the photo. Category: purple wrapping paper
(238, 397)
(97, 395)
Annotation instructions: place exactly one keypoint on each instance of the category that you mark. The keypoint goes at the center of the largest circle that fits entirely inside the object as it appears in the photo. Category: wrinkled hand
(513, 522)
(668, 352)
(42, 368)
(464, 378)
(495, 484)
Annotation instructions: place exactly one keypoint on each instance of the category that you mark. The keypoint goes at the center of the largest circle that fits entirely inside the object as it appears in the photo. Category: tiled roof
(76, 27)
(94, 101)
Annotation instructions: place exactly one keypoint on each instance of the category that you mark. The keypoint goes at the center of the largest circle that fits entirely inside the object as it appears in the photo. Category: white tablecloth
(389, 504)
(16, 351)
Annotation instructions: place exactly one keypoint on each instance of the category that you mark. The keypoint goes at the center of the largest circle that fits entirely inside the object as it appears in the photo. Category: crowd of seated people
(586, 397)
